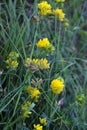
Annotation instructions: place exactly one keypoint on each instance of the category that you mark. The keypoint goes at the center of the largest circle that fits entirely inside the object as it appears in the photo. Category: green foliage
(20, 29)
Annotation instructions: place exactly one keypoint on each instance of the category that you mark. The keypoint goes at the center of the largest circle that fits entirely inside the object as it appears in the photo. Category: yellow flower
(27, 104)
(43, 121)
(60, 0)
(14, 64)
(12, 60)
(60, 14)
(38, 127)
(35, 61)
(57, 85)
(44, 8)
(25, 109)
(46, 45)
(37, 64)
(34, 92)
(8, 61)
(43, 64)
(31, 64)
(11, 63)
(28, 62)
(43, 43)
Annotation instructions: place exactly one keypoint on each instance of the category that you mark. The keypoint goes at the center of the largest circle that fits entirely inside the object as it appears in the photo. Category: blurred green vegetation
(20, 29)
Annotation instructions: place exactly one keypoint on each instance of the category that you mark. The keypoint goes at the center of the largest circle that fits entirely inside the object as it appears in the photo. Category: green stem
(58, 40)
(11, 124)
(35, 35)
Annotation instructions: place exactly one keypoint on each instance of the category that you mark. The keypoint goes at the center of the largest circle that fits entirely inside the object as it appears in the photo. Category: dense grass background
(20, 29)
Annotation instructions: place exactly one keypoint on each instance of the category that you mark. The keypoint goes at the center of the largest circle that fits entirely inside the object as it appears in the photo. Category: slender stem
(58, 39)
(35, 35)
(11, 124)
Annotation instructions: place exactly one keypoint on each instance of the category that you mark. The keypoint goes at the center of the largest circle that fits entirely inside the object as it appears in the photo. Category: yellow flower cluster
(34, 92)
(57, 85)
(45, 44)
(25, 109)
(28, 61)
(43, 121)
(38, 127)
(60, 0)
(44, 8)
(12, 60)
(59, 13)
(37, 63)
(42, 64)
